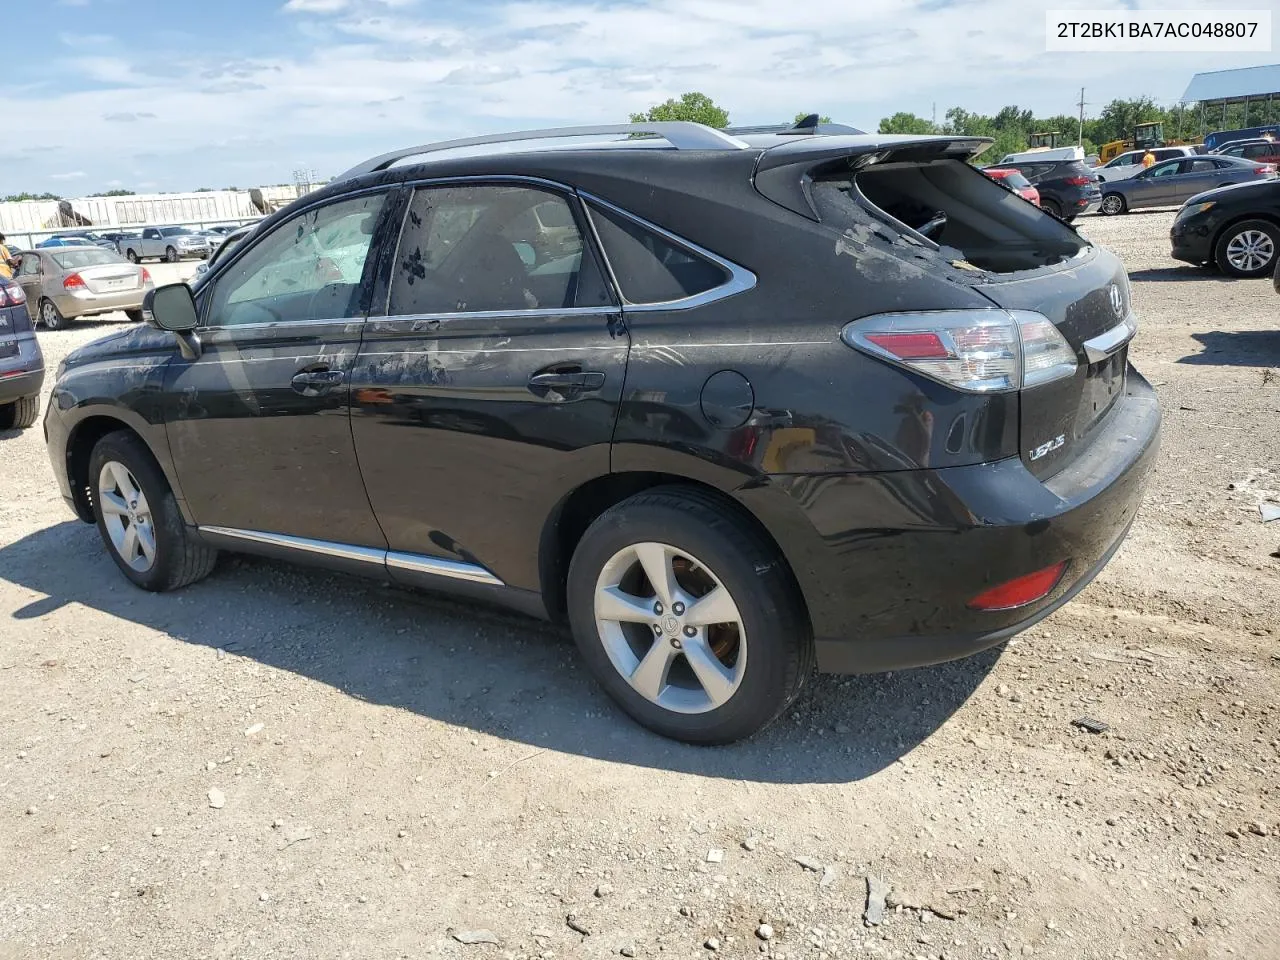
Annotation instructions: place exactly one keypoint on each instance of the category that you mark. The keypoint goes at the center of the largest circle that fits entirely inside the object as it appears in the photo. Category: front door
(1155, 187)
(259, 426)
(492, 385)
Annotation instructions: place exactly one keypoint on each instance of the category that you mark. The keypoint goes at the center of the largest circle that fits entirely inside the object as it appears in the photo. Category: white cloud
(376, 74)
(316, 6)
(73, 175)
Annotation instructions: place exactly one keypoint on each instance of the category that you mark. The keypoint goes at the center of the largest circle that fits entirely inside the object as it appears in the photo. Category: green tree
(697, 107)
(19, 197)
(906, 123)
(115, 193)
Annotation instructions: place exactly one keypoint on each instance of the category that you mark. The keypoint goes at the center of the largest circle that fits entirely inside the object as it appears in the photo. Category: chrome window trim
(418, 563)
(740, 278)
(497, 314)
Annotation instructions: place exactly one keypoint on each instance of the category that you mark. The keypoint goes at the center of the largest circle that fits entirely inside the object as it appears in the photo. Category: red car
(1015, 181)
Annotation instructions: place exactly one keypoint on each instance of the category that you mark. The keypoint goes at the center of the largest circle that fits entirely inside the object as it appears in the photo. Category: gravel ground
(282, 763)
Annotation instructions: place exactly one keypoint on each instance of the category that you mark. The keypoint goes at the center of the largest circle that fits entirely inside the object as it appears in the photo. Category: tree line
(1012, 126)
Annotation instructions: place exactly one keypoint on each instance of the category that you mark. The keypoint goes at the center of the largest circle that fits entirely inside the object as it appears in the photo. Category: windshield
(87, 257)
(174, 231)
(1014, 179)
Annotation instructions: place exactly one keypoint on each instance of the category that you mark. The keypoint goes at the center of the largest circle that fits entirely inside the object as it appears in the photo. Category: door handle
(312, 382)
(566, 382)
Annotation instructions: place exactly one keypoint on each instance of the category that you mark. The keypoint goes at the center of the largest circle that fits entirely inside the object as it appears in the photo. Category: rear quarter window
(648, 267)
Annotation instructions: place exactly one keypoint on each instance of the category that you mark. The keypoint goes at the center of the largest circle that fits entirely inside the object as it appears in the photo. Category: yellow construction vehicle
(1146, 136)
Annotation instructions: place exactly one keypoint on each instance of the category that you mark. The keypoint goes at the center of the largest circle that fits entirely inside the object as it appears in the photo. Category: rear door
(31, 275)
(491, 386)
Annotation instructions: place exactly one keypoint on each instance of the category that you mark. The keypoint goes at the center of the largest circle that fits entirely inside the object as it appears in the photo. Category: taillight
(146, 277)
(11, 294)
(977, 351)
(1079, 181)
(1266, 168)
(1020, 591)
(74, 282)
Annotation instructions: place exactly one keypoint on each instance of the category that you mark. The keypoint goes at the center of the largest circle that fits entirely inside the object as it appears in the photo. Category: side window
(150, 234)
(492, 248)
(1168, 154)
(1258, 150)
(1128, 160)
(30, 266)
(308, 268)
(648, 267)
(1203, 166)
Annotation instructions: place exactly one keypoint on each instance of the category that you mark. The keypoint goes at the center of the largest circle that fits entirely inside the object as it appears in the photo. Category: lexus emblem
(1117, 300)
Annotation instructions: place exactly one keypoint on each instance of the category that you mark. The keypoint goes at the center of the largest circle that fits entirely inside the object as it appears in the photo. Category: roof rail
(681, 134)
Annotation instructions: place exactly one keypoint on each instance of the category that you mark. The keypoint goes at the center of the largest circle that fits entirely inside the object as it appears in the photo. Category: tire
(1247, 249)
(1112, 204)
(1051, 206)
(131, 256)
(51, 316)
(171, 255)
(137, 491)
(756, 660)
(19, 414)
(135, 316)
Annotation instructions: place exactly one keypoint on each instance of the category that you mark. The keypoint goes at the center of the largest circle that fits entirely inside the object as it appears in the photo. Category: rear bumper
(23, 375)
(894, 559)
(22, 385)
(89, 304)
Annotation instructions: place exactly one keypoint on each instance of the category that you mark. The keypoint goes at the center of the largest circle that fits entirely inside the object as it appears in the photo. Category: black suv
(725, 404)
(1068, 188)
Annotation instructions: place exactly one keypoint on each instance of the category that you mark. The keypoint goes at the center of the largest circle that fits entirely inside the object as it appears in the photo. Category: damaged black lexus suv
(728, 405)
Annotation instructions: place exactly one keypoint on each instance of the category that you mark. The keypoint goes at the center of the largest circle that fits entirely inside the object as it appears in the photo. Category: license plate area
(8, 348)
(1103, 386)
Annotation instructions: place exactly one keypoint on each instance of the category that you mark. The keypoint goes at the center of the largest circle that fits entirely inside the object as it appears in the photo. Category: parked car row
(155, 243)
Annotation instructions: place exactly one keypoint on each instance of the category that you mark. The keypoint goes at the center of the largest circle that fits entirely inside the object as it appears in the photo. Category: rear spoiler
(784, 173)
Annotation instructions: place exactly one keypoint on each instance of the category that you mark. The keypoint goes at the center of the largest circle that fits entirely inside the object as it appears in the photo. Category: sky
(180, 94)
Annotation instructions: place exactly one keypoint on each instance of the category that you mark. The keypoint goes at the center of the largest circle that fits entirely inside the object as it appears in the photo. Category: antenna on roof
(806, 124)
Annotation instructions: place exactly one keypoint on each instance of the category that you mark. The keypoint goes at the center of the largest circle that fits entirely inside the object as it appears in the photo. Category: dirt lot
(394, 770)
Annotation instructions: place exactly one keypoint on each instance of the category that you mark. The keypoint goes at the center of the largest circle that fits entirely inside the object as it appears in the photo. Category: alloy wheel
(127, 516)
(1250, 250)
(670, 628)
(49, 316)
(1112, 204)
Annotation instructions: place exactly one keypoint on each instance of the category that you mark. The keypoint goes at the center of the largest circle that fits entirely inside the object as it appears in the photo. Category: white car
(1129, 163)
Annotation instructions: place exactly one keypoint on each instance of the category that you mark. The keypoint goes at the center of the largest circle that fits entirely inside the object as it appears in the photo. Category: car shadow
(1239, 348)
(499, 674)
(1180, 274)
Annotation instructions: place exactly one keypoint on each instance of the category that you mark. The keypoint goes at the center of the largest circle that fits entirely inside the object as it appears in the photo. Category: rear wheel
(131, 256)
(139, 520)
(1248, 249)
(688, 618)
(171, 254)
(135, 316)
(1052, 206)
(51, 316)
(1112, 204)
(19, 414)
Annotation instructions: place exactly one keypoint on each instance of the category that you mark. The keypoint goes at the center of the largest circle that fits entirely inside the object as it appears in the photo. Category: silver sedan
(1169, 183)
(63, 283)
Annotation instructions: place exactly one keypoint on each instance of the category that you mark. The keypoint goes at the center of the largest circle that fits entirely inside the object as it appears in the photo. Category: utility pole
(1081, 105)
(935, 116)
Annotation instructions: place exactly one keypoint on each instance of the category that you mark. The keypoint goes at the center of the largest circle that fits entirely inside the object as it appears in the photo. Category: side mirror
(171, 307)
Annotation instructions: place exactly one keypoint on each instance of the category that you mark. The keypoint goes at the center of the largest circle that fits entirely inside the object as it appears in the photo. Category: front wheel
(1112, 204)
(171, 254)
(139, 520)
(135, 316)
(688, 618)
(131, 256)
(1248, 249)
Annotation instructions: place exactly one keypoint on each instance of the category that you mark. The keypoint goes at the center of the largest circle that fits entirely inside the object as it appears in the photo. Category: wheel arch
(1267, 216)
(81, 440)
(565, 526)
